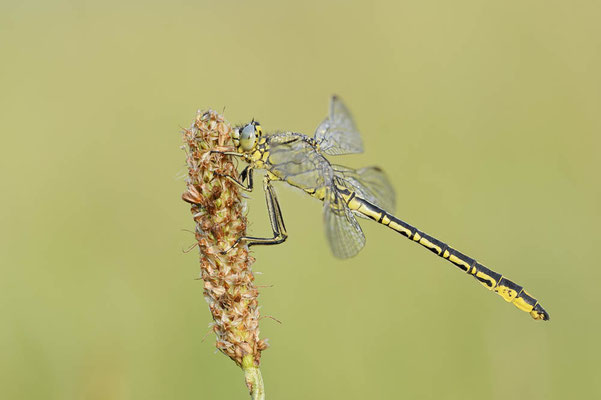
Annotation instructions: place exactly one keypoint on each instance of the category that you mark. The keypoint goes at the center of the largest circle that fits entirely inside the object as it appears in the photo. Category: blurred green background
(486, 116)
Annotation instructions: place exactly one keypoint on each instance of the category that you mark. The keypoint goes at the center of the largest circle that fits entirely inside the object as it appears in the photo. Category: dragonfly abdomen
(507, 289)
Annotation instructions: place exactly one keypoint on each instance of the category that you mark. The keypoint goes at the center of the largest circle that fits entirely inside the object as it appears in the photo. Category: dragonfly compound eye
(248, 137)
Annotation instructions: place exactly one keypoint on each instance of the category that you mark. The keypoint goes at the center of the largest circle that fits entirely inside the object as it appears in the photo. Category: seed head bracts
(218, 211)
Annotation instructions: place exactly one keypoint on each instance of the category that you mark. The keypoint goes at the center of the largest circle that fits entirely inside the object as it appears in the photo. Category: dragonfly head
(245, 138)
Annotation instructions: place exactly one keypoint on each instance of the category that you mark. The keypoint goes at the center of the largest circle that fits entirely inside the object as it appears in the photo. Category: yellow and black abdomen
(509, 290)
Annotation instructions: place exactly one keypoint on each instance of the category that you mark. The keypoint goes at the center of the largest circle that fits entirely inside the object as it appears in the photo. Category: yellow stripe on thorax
(258, 157)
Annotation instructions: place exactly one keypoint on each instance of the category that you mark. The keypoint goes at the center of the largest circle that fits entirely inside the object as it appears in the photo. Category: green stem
(254, 380)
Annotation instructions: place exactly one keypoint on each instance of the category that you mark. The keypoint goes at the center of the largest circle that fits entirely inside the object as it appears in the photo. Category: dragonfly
(346, 193)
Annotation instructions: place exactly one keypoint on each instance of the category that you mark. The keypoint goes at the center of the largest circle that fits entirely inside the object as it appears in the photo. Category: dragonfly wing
(294, 160)
(369, 183)
(342, 229)
(337, 133)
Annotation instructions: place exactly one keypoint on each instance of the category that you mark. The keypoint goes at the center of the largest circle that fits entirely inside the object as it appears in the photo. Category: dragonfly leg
(229, 153)
(275, 218)
(247, 176)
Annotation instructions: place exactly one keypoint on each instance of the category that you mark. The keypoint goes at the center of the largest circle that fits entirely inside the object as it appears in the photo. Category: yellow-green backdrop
(486, 116)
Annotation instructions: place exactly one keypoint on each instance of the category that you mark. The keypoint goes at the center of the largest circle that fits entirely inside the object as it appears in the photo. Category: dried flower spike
(218, 211)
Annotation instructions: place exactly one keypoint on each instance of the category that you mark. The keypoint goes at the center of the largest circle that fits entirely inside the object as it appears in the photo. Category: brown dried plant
(218, 211)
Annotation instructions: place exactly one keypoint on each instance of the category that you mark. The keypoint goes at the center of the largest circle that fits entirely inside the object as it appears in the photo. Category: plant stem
(254, 380)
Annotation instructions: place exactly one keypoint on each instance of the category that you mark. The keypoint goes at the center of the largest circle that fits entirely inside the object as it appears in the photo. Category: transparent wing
(369, 183)
(337, 133)
(296, 161)
(342, 229)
